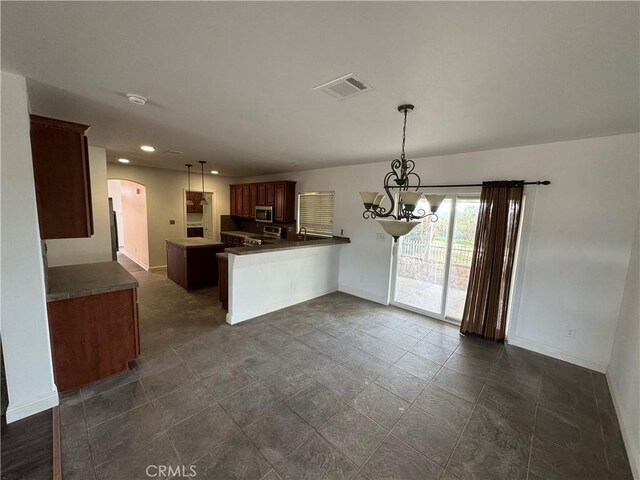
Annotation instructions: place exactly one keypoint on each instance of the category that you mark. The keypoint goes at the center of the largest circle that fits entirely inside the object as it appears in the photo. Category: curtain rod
(539, 182)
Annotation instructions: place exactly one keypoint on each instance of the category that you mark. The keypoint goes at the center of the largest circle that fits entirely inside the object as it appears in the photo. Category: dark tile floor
(335, 388)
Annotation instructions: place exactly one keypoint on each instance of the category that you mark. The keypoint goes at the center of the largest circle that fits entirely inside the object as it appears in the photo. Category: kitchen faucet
(305, 233)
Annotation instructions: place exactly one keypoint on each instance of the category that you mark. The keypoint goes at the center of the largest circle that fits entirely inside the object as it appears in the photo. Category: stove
(270, 234)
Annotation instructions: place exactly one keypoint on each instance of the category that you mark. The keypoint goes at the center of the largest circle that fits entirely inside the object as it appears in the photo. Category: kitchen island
(265, 278)
(192, 263)
(93, 322)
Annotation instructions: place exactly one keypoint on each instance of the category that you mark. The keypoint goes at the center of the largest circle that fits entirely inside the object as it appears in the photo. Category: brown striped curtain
(486, 306)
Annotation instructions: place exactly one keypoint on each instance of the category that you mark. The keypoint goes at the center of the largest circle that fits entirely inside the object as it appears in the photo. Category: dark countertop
(194, 242)
(223, 255)
(73, 281)
(238, 233)
(288, 245)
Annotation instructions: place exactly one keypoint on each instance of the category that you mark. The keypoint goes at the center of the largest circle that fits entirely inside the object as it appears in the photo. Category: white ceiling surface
(232, 83)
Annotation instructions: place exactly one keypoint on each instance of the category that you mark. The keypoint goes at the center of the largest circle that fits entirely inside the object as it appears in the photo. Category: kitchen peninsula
(265, 278)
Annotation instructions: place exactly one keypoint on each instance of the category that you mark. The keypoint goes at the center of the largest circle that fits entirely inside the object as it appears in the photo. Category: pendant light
(204, 200)
(188, 165)
(401, 216)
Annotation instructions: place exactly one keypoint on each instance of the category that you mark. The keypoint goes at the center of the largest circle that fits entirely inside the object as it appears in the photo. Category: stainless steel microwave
(264, 214)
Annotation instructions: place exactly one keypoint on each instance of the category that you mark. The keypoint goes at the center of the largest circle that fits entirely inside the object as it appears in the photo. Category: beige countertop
(194, 242)
(287, 245)
(75, 281)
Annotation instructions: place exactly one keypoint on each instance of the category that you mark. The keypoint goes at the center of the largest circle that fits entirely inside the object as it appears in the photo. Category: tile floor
(335, 388)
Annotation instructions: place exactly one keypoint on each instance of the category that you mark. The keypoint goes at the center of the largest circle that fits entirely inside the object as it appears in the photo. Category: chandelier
(401, 215)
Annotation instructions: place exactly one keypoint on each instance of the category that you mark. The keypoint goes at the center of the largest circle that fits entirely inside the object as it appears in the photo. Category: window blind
(315, 212)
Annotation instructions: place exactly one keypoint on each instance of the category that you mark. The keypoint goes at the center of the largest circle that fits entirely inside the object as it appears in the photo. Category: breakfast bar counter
(265, 278)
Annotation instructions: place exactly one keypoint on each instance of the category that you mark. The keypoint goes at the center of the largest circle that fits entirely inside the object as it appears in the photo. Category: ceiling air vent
(344, 87)
(174, 152)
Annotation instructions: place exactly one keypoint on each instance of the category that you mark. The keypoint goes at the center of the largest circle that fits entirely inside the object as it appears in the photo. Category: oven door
(264, 214)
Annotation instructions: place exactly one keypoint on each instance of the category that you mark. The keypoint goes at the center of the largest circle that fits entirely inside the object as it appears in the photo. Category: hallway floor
(334, 388)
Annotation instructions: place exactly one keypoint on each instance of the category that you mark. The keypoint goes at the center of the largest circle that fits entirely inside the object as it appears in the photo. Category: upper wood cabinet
(62, 178)
(279, 195)
(195, 197)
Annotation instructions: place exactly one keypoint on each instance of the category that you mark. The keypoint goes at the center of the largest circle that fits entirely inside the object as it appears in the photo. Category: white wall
(623, 374)
(97, 248)
(165, 201)
(114, 192)
(23, 314)
(267, 282)
(579, 238)
(134, 217)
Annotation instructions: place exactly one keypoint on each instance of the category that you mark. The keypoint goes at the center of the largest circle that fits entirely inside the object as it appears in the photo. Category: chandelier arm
(380, 211)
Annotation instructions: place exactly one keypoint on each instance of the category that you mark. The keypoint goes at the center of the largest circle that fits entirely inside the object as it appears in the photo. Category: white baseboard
(159, 267)
(633, 449)
(558, 353)
(20, 411)
(233, 319)
(134, 260)
(363, 294)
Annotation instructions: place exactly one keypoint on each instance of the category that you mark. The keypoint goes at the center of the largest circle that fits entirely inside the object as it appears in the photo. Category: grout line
(533, 427)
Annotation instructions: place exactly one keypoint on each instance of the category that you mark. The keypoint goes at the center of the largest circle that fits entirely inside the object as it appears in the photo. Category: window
(315, 212)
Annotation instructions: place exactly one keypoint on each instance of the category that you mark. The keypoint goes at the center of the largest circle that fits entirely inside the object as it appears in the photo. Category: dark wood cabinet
(285, 200)
(262, 194)
(271, 198)
(238, 193)
(278, 210)
(246, 202)
(232, 201)
(231, 240)
(279, 195)
(62, 178)
(195, 232)
(193, 266)
(195, 197)
(223, 281)
(93, 337)
(253, 200)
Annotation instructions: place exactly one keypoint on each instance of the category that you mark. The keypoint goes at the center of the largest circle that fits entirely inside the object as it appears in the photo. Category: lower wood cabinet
(195, 232)
(93, 337)
(223, 281)
(193, 267)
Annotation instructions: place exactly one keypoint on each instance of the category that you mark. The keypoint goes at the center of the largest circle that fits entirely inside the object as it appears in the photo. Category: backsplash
(229, 223)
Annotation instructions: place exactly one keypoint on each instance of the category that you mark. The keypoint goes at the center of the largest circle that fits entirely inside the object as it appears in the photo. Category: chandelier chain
(404, 135)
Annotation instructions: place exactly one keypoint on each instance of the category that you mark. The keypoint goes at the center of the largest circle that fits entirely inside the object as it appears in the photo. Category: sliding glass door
(432, 262)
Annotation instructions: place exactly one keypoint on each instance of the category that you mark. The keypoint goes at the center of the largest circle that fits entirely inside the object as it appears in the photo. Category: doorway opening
(129, 220)
(433, 262)
(200, 219)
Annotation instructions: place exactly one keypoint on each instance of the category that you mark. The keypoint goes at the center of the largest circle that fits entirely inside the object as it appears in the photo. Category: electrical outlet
(381, 237)
(571, 332)
(361, 278)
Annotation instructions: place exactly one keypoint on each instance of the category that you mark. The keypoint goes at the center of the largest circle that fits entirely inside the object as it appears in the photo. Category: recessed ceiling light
(215, 172)
(147, 148)
(123, 160)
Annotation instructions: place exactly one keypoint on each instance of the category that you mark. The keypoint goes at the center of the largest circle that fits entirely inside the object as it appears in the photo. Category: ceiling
(232, 83)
